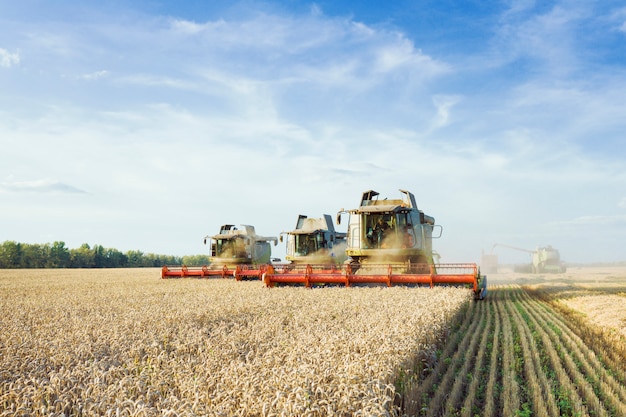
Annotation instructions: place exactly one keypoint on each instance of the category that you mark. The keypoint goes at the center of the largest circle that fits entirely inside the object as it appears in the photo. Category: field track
(520, 357)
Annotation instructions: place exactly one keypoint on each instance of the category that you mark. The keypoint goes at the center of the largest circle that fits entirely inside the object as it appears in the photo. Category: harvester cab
(391, 231)
(315, 241)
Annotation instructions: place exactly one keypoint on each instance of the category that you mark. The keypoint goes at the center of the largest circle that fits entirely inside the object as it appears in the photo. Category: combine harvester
(389, 242)
(238, 253)
(544, 259)
(315, 241)
(313, 244)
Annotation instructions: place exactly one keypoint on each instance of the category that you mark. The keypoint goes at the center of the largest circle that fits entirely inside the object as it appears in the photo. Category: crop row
(516, 354)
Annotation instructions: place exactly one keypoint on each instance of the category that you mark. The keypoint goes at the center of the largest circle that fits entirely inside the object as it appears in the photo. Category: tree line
(57, 255)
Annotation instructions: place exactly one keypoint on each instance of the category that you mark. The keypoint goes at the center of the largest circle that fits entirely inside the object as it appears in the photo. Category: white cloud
(95, 75)
(443, 104)
(592, 220)
(329, 51)
(316, 10)
(191, 28)
(548, 39)
(40, 186)
(8, 59)
(149, 80)
(622, 203)
(618, 19)
(395, 55)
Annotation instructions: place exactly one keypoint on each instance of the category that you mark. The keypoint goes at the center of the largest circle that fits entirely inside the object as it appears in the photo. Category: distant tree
(115, 259)
(197, 260)
(135, 258)
(10, 254)
(99, 256)
(152, 260)
(171, 260)
(59, 256)
(83, 257)
(34, 256)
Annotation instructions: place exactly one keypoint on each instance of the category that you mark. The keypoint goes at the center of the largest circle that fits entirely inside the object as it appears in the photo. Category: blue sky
(146, 126)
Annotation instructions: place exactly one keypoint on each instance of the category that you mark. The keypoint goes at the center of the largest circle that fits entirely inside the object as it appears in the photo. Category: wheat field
(125, 343)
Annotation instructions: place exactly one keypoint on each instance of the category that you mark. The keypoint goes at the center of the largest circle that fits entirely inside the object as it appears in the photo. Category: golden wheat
(123, 342)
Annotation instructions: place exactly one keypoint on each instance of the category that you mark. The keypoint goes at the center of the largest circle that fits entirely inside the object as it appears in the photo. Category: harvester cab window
(369, 223)
(379, 227)
(306, 244)
(402, 220)
(230, 248)
(406, 235)
(222, 248)
(320, 241)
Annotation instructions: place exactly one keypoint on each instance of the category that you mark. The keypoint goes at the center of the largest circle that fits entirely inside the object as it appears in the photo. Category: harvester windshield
(230, 248)
(387, 231)
(309, 244)
(315, 241)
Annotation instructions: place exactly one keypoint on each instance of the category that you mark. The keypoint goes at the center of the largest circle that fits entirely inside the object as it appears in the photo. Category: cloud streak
(8, 59)
(40, 186)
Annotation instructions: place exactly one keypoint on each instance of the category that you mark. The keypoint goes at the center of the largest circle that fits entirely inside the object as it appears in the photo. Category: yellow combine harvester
(389, 242)
(239, 253)
(315, 241)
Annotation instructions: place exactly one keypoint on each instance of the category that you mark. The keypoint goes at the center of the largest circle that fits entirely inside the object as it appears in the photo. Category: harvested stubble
(123, 342)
